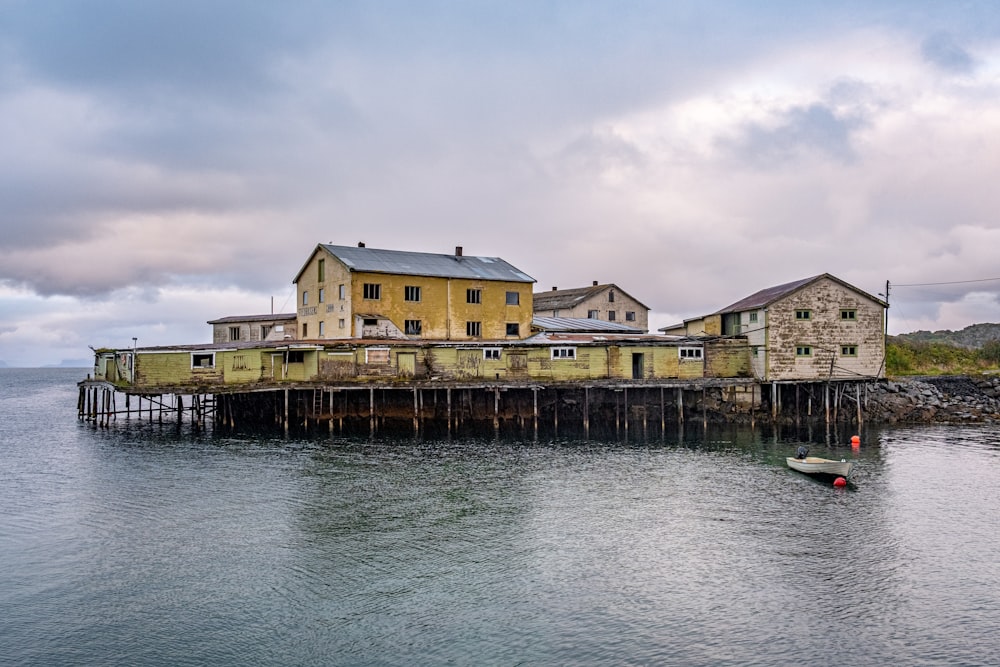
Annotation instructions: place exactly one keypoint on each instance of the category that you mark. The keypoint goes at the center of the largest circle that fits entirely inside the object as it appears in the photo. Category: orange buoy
(855, 441)
(840, 481)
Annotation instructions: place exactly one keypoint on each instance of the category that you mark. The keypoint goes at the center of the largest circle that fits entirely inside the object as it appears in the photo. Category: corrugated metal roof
(582, 325)
(403, 262)
(769, 295)
(253, 318)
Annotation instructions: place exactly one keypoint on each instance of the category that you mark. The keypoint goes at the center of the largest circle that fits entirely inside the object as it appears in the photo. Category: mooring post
(625, 399)
(586, 413)
(857, 397)
(496, 412)
(285, 419)
(534, 393)
(371, 411)
(448, 400)
(680, 406)
(774, 402)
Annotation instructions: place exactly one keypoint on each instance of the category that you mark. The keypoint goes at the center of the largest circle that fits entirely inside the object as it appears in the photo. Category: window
(296, 356)
(611, 296)
(564, 353)
(803, 314)
(203, 360)
(491, 353)
(611, 316)
(849, 314)
(341, 323)
(848, 350)
(474, 329)
(370, 322)
(322, 329)
(411, 293)
(753, 318)
(690, 352)
(341, 292)
(265, 331)
(322, 295)
(630, 316)
(754, 350)
(321, 270)
(305, 329)
(240, 362)
(803, 351)
(305, 298)
(513, 329)
(372, 291)
(473, 295)
(591, 314)
(513, 298)
(234, 333)
(412, 327)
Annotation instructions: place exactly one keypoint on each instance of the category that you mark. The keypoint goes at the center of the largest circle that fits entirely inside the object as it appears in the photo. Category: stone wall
(949, 399)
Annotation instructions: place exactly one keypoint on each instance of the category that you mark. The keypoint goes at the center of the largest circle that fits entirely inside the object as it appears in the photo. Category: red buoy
(855, 442)
(840, 481)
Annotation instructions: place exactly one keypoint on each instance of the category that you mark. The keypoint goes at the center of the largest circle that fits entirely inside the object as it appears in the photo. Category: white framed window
(202, 360)
(474, 329)
(803, 351)
(848, 350)
(411, 293)
(848, 314)
(322, 329)
(563, 353)
(341, 292)
(753, 318)
(690, 353)
(803, 314)
(591, 314)
(473, 295)
(372, 291)
(305, 298)
(341, 323)
(322, 295)
(491, 353)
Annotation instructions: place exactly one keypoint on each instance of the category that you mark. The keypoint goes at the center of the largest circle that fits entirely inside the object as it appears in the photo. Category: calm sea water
(145, 546)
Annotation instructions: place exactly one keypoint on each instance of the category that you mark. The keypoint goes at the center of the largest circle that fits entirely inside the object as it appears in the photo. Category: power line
(953, 282)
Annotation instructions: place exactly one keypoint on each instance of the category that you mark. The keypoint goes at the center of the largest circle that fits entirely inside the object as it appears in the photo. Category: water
(144, 546)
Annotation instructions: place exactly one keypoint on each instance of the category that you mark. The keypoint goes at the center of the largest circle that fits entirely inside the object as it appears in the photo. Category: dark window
(474, 329)
(413, 327)
(411, 293)
(592, 314)
(513, 298)
(803, 351)
(491, 353)
(611, 316)
(611, 296)
(321, 270)
(296, 356)
(473, 295)
(373, 291)
(265, 331)
(849, 350)
(305, 329)
(513, 329)
(322, 295)
(206, 360)
(849, 314)
(234, 333)
(370, 322)
(630, 316)
(803, 314)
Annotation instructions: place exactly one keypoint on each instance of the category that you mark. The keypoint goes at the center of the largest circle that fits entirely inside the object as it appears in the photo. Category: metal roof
(375, 260)
(582, 325)
(560, 299)
(254, 318)
(769, 295)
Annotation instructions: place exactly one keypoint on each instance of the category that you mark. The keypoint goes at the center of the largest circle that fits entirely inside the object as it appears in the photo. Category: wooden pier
(616, 409)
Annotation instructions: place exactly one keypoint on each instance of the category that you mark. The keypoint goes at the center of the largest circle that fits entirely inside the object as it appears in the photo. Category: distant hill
(972, 337)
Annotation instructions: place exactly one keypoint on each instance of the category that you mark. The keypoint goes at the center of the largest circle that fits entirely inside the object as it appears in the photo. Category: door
(638, 365)
(407, 362)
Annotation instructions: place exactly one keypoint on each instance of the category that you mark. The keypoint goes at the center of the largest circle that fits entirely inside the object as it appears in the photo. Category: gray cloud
(943, 50)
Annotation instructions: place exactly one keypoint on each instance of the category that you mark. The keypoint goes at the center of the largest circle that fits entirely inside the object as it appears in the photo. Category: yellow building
(360, 292)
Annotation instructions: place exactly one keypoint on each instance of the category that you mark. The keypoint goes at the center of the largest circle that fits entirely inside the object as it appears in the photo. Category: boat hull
(814, 465)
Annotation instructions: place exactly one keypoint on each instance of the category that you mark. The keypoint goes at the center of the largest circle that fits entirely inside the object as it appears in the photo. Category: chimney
(361, 244)
(554, 288)
(595, 283)
(458, 251)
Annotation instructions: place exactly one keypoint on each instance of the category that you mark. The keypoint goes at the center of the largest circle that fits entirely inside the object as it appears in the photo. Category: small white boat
(814, 465)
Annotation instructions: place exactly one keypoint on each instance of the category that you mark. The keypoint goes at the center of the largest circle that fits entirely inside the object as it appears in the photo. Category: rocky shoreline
(944, 399)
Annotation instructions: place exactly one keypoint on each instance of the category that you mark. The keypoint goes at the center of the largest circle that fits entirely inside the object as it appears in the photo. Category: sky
(167, 163)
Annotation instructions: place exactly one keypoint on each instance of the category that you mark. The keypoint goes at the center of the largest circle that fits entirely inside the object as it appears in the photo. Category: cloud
(941, 49)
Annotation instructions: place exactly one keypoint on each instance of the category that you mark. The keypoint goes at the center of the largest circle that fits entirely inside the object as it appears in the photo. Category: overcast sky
(167, 163)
